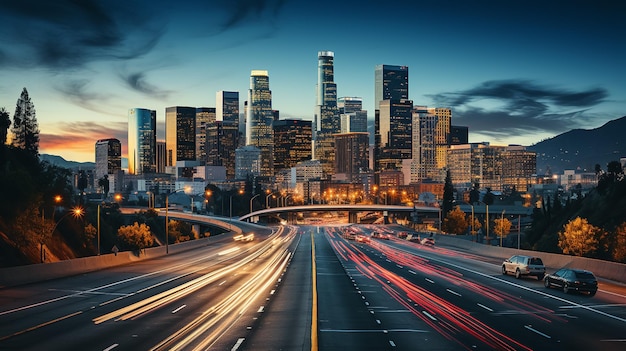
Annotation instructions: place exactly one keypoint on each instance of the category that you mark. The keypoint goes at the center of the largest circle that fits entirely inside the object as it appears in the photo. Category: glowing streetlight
(76, 212)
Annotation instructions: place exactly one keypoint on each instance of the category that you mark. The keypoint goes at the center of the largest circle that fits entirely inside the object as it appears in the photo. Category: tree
(136, 236)
(25, 129)
(474, 195)
(502, 226)
(90, 233)
(103, 183)
(455, 222)
(448, 195)
(580, 238)
(5, 123)
(619, 243)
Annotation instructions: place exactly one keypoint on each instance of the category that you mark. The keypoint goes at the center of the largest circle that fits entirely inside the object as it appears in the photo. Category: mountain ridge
(581, 149)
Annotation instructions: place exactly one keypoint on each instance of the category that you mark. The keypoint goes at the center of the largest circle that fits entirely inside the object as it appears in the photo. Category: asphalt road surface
(309, 288)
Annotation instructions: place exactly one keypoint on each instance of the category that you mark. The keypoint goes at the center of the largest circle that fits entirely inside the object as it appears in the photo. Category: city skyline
(514, 73)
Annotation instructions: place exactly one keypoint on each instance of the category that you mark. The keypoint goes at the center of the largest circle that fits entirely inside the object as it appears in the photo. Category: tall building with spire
(259, 120)
(327, 122)
(141, 141)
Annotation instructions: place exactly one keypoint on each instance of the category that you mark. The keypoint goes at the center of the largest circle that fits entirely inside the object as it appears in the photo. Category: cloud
(520, 107)
(68, 34)
(82, 136)
(239, 12)
(77, 91)
(138, 82)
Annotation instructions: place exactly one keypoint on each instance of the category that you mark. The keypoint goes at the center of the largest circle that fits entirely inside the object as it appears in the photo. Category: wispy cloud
(519, 107)
(67, 34)
(138, 82)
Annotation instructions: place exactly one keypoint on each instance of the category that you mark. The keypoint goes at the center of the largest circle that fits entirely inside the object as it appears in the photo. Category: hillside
(582, 149)
(61, 162)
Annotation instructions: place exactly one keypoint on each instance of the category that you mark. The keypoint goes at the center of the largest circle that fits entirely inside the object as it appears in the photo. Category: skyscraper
(259, 120)
(351, 154)
(394, 134)
(353, 119)
(227, 106)
(327, 120)
(292, 142)
(180, 134)
(205, 116)
(222, 140)
(108, 157)
(390, 83)
(141, 141)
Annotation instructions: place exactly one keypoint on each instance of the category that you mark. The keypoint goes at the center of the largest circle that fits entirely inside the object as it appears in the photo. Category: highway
(308, 288)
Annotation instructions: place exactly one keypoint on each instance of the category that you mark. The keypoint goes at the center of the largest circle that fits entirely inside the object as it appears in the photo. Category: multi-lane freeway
(309, 288)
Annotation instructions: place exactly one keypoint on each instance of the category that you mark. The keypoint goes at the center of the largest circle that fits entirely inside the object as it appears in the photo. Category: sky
(514, 72)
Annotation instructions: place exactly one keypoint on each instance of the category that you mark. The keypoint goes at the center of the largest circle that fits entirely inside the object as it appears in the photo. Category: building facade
(394, 134)
(327, 120)
(259, 121)
(180, 134)
(141, 141)
(292, 142)
(351, 155)
(227, 106)
(205, 116)
(222, 139)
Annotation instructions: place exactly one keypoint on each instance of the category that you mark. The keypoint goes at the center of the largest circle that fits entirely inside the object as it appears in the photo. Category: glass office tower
(259, 120)
(327, 122)
(141, 141)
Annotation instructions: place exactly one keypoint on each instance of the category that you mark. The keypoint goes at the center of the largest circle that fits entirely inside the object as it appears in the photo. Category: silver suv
(524, 265)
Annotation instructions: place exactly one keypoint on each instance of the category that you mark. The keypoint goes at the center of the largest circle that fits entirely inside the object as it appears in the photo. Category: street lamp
(267, 198)
(76, 212)
(230, 215)
(252, 199)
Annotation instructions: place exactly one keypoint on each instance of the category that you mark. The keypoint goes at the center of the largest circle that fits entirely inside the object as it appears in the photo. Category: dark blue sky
(513, 71)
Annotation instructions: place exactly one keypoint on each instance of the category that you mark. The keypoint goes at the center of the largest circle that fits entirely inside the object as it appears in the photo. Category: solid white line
(537, 331)
(485, 307)
(179, 308)
(111, 347)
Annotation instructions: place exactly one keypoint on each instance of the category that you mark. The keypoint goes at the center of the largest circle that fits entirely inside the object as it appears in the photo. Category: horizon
(513, 73)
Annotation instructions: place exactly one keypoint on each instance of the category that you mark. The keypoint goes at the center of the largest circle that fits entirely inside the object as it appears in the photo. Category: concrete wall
(602, 269)
(13, 276)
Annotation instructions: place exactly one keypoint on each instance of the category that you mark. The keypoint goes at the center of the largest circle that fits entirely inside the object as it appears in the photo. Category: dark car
(571, 279)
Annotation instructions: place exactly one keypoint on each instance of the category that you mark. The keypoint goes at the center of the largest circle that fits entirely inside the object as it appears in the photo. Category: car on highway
(429, 241)
(521, 265)
(362, 239)
(244, 237)
(379, 235)
(572, 279)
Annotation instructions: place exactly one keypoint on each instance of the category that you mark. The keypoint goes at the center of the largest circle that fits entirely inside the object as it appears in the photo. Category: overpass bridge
(353, 210)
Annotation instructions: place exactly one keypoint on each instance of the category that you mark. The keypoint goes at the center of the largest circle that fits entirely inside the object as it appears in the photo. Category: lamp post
(230, 213)
(501, 227)
(77, 212)
(267, 198)
(252, 199)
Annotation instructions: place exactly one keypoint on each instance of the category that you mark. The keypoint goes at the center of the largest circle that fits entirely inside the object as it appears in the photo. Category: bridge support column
(352, 217)
(196, 230)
